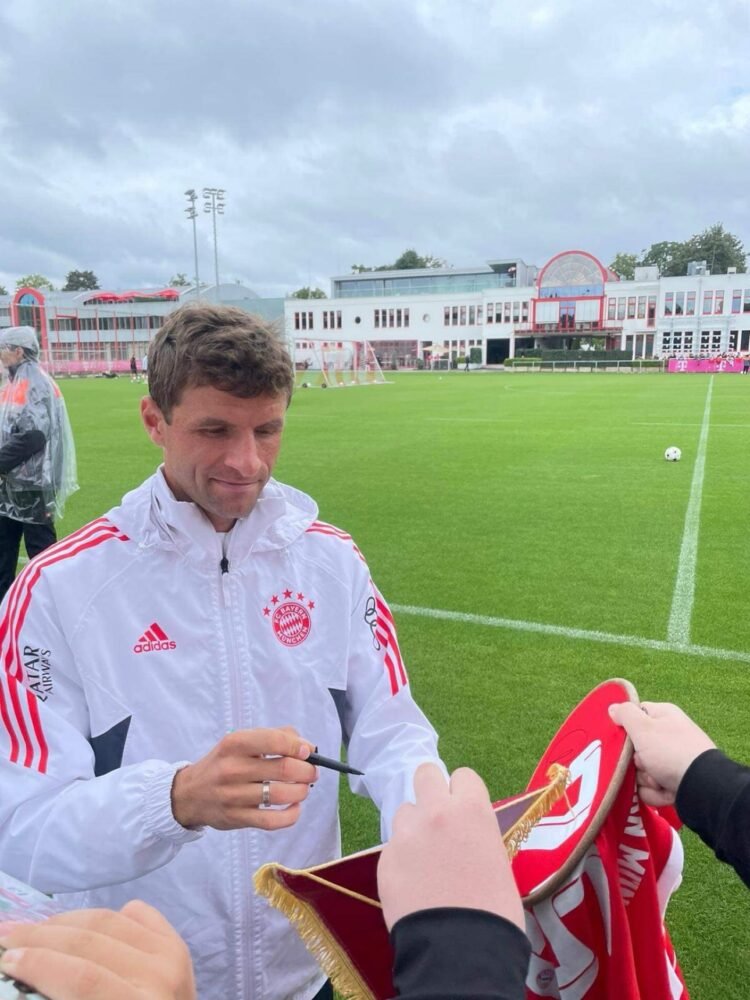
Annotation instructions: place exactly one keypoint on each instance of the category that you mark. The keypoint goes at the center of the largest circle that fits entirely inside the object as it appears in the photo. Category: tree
(715, 245)
(80, 281)
(408, 261)
(179, 281)
(624, 265)
(718, 248)
(35, 281)
(309, 293)
(670, 257)
(3, 290)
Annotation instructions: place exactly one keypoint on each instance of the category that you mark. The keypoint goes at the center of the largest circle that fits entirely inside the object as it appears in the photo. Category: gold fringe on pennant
(559, 777)
(317, 938)
(321, 944)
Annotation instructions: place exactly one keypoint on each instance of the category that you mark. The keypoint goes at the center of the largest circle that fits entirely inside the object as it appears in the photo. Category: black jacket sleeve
(714, 801)
(459, 954)
(19, 447)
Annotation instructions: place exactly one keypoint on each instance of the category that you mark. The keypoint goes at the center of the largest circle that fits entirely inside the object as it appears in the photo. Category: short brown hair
(220, 346)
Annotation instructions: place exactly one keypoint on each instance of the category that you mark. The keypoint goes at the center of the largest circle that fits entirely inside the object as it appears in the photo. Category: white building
(493, 312)
(507, 306)
(99, 330)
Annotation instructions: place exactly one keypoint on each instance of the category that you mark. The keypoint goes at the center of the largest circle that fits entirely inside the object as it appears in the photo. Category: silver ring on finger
(265, 795)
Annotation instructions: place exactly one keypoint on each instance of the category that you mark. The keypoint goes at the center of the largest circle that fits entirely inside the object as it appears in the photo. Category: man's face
(10, 356)
(219, 450)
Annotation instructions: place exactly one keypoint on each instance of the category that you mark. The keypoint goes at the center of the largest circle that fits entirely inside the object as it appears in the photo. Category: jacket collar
(153, 516)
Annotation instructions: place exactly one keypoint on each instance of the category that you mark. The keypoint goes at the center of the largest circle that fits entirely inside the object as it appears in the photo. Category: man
(37, 455)
(678, 764)
(195, 643)
(456, 935)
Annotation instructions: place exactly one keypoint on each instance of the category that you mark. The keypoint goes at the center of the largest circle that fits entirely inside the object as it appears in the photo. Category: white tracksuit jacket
(126, 652)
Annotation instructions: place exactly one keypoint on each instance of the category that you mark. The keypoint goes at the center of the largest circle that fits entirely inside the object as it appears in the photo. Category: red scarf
(597, 926)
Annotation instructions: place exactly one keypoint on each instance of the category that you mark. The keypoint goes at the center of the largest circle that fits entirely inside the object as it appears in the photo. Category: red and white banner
(711, 365)
(597, 872)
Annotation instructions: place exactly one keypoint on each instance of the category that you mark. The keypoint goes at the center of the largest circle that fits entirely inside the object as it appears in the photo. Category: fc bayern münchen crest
(290, 617)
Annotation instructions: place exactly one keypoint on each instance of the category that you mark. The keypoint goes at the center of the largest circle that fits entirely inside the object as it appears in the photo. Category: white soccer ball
(673, 454)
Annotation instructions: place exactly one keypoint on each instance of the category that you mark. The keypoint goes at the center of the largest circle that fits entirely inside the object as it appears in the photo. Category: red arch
(565, 253)
(39, 298)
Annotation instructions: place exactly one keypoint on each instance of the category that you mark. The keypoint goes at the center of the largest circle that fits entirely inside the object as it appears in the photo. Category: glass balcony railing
(423, 285)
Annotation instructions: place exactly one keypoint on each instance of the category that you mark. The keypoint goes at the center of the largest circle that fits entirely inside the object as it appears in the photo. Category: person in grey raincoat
(37, 454)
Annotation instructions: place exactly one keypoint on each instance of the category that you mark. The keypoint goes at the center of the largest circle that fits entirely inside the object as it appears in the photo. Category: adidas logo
(154, 638)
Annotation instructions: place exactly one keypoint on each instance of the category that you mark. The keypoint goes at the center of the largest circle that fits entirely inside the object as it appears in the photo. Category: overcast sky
(345, 131)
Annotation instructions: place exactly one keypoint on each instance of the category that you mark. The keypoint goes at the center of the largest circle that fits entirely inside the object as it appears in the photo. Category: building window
(669, 303)
(718, 304)
(651, 314)
(516, 311)
(631, 307)
(490, 310)
(506, 312)
(708, 304)
(406, 317)
(746, 303)
(690, 304)
(524, 312)
(641, 307)
(679, 303)
(462, 315)
(454, 316)
(480, 316)
(447, 316)
(611, 308)
(472, 316)
(621, 308)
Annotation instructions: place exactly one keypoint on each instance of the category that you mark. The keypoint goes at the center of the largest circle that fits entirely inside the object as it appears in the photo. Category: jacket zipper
(247, 967)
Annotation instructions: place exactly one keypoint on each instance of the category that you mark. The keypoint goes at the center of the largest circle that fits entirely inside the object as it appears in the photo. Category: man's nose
(244, 456)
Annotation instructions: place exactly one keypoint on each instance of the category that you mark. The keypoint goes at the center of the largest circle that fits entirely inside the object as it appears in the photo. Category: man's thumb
(630, 716)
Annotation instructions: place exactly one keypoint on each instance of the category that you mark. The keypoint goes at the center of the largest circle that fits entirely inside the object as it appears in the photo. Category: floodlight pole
(214, 203)
(191, 213)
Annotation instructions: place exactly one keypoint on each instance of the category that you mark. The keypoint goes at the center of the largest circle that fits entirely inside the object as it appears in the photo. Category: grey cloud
(346, 130)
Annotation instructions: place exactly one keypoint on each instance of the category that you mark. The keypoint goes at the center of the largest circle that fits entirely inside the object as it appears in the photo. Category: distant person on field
(134, 369)
(144, 366)
(202, 638)
(678, 764)
(37, 454)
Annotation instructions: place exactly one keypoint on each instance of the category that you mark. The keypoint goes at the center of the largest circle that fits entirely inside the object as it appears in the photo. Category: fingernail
(11, 959)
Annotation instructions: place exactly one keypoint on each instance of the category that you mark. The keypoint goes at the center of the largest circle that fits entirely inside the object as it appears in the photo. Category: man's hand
(224, 789)
(101, 955)
(446, 850)
(666, 743)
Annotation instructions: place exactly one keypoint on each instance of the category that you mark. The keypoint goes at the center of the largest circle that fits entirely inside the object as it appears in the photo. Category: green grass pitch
(534, 499)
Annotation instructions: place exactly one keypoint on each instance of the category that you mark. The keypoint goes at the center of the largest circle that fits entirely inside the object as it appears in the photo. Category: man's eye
(213, 431)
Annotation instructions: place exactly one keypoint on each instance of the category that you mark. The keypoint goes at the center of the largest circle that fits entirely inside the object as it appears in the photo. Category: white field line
(678, 629)
(635, 641)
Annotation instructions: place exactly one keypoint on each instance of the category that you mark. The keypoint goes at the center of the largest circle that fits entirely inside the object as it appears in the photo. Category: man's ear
(153, 420)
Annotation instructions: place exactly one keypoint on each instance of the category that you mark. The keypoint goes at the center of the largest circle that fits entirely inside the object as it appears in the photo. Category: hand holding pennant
(337, 912)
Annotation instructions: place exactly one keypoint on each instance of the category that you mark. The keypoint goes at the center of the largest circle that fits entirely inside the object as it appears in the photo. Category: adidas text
(149, 647)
